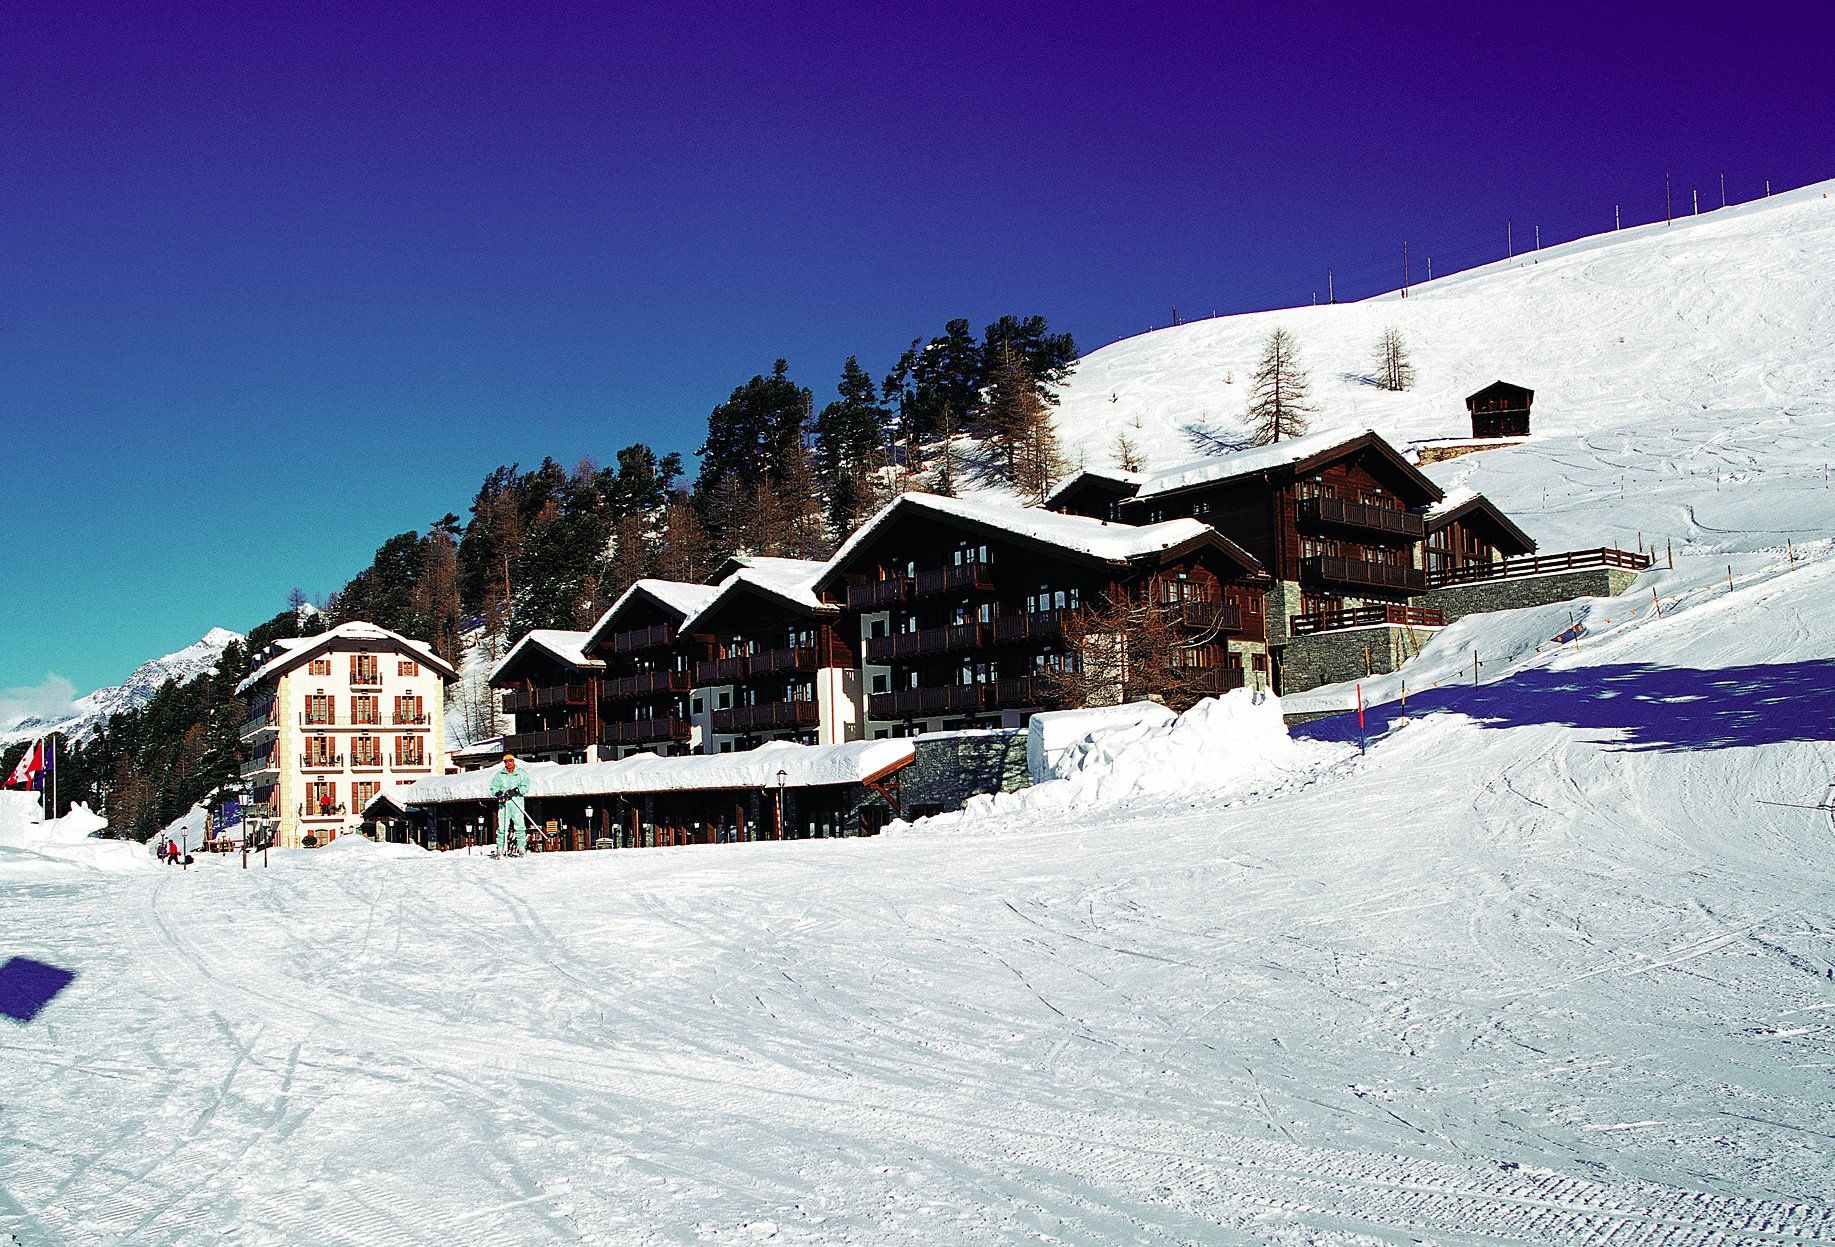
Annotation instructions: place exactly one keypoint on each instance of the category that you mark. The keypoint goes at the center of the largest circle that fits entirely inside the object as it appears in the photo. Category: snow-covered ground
(1541, 967)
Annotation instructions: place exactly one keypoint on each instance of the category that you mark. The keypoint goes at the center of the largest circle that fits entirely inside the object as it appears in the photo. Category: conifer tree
(1393, 369)
(1278, 407)
(850, 447)
(751, 437)
(1020, 430)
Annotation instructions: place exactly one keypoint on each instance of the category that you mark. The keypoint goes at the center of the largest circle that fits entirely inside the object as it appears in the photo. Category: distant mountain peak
(183, 665)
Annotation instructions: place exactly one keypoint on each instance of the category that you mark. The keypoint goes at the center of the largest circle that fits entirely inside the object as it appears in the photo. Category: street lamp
(591, 831)
(783, 777)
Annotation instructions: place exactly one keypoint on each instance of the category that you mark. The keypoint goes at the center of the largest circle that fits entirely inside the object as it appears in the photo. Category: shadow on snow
(1639, 706)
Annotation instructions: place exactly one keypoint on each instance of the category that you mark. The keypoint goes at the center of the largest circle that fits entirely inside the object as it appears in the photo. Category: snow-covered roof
(1452, 502)
(1113, 475)
(1257, 459)
(1466, 499)
(569, 647)
(803, 766)
(282, 656)
(788, 580)
(682, 597)
(1077, 534)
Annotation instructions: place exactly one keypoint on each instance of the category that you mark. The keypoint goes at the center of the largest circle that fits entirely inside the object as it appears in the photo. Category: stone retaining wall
(1350, 654)
(1458, 601)
(947, 768)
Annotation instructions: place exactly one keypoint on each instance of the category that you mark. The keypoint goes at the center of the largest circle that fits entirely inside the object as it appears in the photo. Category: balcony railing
(877, 593)
(644, 731)
(1367, 616)
(313, 809)
(790, 658)
(522, 700)
(410, 762)
(1539, 565)
(769, 717)
(255, 766)
(549, 741)
(924, 703)
(901, 645)
(362, 762)
(321, 762)
(722, 670)
(1218, 617)
(366, 679)
(410, 718)
(307, 719)
(645, 684)
(633, 639)
(1025, 690)
(1391, 521)
(953, 579)
(1032, 626)
(258, 724)
(1363, 574)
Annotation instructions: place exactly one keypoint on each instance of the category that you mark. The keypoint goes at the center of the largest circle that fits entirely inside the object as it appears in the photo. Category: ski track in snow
(1539, 969)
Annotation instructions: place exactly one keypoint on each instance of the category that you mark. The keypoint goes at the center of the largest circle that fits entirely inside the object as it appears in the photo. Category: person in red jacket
(171, 852)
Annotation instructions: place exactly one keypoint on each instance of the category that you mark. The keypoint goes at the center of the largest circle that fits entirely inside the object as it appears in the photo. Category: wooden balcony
(1205, 681)
(945, 640)
(631, 640)
(645, 731)
(644, 684)
(722, 670)
(1031, 626)
(770, 717)
(1363, 517)
(366, 762)
(925, 703)
(878, 594)
(1361, 574)
(523, 700)
(1214, 617)
(1366, 617)
(554, 740)
(1022, 691)
(781, 661)
(969, 576)
(410, 762)
(1539, 565)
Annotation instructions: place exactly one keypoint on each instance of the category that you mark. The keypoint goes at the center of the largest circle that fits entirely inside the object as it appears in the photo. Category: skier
(171, 852)
(511, 788)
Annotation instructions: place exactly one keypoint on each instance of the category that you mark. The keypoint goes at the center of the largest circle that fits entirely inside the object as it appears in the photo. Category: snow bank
(29, 845)
(1222, 749)
(1051, 735)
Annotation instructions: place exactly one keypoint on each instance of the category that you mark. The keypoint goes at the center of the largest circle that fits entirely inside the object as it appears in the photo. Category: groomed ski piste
(1541, 966)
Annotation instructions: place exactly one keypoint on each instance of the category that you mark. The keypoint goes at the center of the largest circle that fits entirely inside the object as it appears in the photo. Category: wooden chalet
(772, 661)
(647, 690)
(1465, 534)
(1336, 518)
(1500, 410)
(960, 606)
(550, 691)
(1096, 493)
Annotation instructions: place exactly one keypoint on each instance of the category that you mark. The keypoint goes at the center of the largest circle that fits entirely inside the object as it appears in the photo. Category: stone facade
(1458, 601)
(950, 767)
(1350, 654)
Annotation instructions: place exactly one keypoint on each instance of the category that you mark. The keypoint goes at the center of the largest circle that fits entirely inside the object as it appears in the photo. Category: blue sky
(283, 282)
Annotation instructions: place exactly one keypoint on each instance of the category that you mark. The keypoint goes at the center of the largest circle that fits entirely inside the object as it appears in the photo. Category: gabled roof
(1121, 480)
(1501, 387)
(1075, 536)
(566, 647)
(677, 597)
(790, 581)
(1295, 455)
(1465, 502)
(280, 657)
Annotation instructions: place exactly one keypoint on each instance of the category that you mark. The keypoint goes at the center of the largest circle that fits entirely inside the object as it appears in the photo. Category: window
(966, 555)
(410, 751)
(365, 709)
(321, 751)
(407, 669)
(320, 666)
(362, 793)
(882, 682)
(410, 709)
(322, 797)
(723, 700)
(364, 669)
(366, 751)
(876, 628)
(697, 705)
(319, 709)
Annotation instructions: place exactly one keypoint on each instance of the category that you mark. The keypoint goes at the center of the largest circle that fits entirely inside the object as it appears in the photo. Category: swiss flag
(30, 773)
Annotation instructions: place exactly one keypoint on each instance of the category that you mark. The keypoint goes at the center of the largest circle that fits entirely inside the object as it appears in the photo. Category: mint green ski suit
(513, 789)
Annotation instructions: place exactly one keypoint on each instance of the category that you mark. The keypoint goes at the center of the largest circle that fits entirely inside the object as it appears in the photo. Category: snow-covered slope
(184, 665)
(1700, 322)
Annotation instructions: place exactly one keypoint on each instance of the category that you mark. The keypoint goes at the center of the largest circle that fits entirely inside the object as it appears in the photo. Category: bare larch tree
(1277, 402)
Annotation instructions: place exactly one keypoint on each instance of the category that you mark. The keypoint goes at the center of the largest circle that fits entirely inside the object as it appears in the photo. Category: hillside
(1551, 963)
(89, 711)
